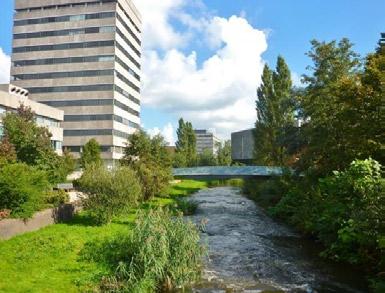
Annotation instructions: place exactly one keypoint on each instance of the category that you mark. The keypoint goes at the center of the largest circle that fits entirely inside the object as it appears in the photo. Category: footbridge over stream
(228, 172)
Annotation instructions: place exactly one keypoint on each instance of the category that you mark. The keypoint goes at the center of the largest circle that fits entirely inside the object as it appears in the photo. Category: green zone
(51, 259)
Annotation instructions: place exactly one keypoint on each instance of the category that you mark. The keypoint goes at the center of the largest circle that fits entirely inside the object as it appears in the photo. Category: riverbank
(49, 260)
(248, 250)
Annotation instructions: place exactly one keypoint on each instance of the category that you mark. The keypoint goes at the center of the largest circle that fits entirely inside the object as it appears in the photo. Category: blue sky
(288, 26)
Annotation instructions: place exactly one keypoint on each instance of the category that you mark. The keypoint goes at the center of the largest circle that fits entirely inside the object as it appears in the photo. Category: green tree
(275, 112)
(151, 161)
(207, 158)
(90, 154)
(32, 143)
(185, 145)
(333, 104)
(224, 153)
(69, 161)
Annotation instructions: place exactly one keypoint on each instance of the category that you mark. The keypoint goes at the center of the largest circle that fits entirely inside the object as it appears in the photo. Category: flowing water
(249, 252)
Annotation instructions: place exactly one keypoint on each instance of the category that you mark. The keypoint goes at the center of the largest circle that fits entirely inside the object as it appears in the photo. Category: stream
(250, 252)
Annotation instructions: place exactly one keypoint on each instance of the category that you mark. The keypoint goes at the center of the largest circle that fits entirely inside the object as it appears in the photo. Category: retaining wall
(63, 213)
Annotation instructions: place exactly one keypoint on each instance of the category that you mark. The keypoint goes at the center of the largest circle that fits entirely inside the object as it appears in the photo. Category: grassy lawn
(49, 260)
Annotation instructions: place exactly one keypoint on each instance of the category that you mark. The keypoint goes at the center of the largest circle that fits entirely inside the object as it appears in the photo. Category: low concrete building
(206, 140)
(11, 97)
(242, 146)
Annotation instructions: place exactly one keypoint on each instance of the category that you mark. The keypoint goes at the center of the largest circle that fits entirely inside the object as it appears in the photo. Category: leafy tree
(32, 143)
(186, 145)
(7, 151)
(207, 158)
(338, 108)
(275, 112)
(224, 154)
(151, 161)
(90, 154)
(69, 161)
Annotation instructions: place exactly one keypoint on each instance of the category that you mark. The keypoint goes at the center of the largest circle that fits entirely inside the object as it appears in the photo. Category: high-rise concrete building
(242, 146)
(82, 56)
(206, 140)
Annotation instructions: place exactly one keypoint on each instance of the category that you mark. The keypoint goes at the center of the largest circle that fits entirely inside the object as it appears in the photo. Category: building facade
(242, 146)
(206, 140)
(82, 56)
(11, 97)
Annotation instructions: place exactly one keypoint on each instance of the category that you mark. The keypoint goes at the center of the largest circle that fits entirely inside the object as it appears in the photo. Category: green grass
(49, 260)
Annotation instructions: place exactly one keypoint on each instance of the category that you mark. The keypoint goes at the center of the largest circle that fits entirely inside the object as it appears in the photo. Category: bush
(346, 211)
(109, 193)
(154, 179)
(268, 192)
(57, 197)
(22, 189)
(186, 207)
(162, 252)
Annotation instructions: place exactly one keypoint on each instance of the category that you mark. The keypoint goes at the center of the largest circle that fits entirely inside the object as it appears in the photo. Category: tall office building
(206, 141)
(82, 56)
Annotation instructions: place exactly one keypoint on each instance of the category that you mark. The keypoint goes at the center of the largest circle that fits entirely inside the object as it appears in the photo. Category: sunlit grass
(48, 260)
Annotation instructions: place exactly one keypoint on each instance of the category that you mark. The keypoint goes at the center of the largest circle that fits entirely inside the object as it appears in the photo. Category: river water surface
(249, 252)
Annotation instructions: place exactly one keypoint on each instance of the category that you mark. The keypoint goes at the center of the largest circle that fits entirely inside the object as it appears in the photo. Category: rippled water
(249, 252)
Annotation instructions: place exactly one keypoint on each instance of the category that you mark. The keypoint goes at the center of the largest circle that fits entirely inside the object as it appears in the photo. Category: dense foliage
(22, 189)
(109, 193)
(185, 154)
(275, 113)
(224, 154)
(151, 161)
(90, 154)
(31, 144)
(339, 197)
(171, 255)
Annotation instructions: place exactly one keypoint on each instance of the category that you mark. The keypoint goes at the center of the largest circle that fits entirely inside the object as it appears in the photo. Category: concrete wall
(13, 227)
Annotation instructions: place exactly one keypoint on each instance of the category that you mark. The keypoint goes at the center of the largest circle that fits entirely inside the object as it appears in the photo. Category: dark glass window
(80, 88)
(127, 95)
(49, 61)
(79, 103)
(67, 32)
(63, 46)
(128, 55)
(137, 52)
(130, 84)
(52, 75)
(128, 29)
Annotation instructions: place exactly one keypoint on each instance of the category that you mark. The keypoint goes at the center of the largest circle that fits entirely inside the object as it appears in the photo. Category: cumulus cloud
(5, 64)
(218, 92)
(167, 132)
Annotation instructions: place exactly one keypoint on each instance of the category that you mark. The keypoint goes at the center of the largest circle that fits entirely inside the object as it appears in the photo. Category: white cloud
(217, 93)
(5, 65)
(296, 79)
(157, 30)
(167, 132)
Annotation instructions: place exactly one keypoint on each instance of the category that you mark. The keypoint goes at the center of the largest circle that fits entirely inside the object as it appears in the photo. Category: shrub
(109, 193)
(151, 161)
(56, 197)
(186, 207)
(90, 154)
(162, 252)
(22, 189)
(346, 211)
